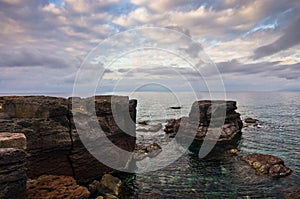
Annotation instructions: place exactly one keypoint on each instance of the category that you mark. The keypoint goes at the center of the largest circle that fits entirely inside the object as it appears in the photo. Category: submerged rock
(250, 120)
(267, 164)
(56, 187)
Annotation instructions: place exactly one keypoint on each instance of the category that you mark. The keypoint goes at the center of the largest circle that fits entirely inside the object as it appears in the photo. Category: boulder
(267, 164)
(56, 187)
(12, 140)
(108, 185)
(12, 173)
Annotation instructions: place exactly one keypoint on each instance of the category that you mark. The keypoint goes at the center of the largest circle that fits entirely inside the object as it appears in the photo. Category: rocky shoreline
(41, 151)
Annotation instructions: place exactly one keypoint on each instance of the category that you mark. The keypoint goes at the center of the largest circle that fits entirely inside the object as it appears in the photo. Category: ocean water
(225, 175)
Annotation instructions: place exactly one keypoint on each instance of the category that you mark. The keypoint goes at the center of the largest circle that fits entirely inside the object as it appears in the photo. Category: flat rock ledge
(267, 164)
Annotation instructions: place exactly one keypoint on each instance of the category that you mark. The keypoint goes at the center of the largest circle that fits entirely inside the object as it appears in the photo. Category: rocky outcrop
(56, 187)
(208, 118)
(267, 164)
(12, 173)
(53, 143)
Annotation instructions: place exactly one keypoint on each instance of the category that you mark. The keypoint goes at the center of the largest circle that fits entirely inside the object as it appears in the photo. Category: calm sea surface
(225, 176)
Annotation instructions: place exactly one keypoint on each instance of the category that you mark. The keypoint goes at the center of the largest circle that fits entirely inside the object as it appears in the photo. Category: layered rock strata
(54, 146)
(12, 173)
(216, 119)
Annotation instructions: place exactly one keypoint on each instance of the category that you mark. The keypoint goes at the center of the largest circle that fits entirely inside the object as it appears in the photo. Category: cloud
(289, 39)
(261, 69)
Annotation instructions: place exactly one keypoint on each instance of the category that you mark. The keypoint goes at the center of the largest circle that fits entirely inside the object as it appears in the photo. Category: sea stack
(206, 118)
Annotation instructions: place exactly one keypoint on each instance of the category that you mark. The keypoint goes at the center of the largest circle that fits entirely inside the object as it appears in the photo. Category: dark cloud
(275, 69)
(289, 39)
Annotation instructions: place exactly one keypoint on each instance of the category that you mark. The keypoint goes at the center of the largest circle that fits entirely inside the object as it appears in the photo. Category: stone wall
(53, 144)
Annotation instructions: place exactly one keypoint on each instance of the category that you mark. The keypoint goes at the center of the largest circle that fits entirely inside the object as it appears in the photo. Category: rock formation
(13, 140)
(53, 143)
(267, 164)
(207, 118)
(12, 173)
(56, 187)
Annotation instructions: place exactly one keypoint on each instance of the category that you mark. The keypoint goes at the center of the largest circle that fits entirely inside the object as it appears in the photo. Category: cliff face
(53, 143)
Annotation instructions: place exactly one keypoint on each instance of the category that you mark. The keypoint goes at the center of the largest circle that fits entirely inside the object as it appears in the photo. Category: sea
(224, 175)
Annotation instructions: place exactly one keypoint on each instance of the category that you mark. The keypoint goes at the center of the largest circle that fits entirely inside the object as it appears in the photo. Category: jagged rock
(267, 164)
(12, 140)
(150, 128)
(226, 121)
(56, 187)
(53, 143)
(12, 173)
(250, 120)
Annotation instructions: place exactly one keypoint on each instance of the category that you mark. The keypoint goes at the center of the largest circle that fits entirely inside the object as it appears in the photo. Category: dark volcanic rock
(56, 187)
(12, 173)
(53, 143)
(208, 118)
(267, 164)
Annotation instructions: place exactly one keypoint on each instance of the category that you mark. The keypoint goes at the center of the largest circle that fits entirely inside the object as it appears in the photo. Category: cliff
(53, 143)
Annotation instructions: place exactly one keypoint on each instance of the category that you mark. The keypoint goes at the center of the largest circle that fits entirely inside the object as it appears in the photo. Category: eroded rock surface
(59, 187)
(53, 143)
(267, 164)
(12, 173)
(208, 118)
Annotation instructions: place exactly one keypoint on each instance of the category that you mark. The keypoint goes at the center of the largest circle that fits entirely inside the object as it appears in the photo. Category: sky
(252, 45)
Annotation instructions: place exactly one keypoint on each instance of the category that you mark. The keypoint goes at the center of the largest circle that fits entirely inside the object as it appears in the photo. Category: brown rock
(59, 187)
(112, 183)
(267, 164)
(12, 140)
